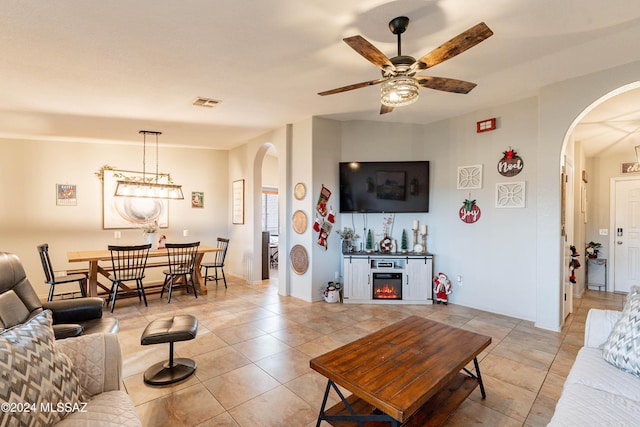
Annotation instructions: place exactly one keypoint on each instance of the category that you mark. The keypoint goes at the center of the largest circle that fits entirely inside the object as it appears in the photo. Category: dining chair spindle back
(129, 264)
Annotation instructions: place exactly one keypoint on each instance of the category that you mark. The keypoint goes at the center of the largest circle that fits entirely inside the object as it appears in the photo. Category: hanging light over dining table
(149, 186)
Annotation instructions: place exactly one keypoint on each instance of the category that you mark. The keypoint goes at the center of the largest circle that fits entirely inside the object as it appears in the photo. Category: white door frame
(612, 224)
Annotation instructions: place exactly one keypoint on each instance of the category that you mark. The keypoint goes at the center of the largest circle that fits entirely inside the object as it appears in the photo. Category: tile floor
(253, 349)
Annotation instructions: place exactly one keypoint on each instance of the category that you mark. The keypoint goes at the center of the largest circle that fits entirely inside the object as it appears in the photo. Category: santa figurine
(442, 288)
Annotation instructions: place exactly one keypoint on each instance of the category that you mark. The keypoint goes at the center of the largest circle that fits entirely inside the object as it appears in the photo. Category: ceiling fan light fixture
(399, 91)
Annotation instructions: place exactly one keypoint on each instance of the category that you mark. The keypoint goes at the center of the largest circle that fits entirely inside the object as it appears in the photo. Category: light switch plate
(604, 231)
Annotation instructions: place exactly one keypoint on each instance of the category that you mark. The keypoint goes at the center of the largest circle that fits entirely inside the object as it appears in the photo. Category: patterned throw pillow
(37, 384)
(622, 348)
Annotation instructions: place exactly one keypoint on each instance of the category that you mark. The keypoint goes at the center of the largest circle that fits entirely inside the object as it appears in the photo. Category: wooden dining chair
(54, 280)
(218, 263)
(129, 264)
(182, 261)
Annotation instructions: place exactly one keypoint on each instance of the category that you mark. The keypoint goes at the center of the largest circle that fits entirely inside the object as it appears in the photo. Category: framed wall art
(130, 212)
(237, 191)
(66, 195)
(197, 199)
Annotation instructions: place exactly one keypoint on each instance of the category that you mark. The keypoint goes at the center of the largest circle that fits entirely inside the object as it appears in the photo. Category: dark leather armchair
(19, 302)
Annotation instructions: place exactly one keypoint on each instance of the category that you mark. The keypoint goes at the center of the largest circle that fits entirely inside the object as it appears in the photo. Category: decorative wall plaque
(510, 195)
(469, 177)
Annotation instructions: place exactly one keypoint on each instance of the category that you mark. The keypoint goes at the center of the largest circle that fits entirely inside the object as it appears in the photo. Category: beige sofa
(595, 392)
(97, 360)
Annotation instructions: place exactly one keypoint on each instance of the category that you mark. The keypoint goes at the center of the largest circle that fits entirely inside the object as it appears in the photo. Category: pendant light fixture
(149, 187)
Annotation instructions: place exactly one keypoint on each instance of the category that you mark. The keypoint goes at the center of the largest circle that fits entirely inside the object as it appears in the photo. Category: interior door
(627, 235)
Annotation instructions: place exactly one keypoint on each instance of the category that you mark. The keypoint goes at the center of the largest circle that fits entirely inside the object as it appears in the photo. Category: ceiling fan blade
(369, 51)
(384, 109)
(455, 46)
(351, 87)
(445, 84)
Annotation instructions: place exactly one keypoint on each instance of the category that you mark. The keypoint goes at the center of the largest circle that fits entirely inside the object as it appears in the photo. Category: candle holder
(424, 243)
(415, 239)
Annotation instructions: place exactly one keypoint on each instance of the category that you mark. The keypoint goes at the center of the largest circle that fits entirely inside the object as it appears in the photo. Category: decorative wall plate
(299, 259)
(299, 222)
(299, 191)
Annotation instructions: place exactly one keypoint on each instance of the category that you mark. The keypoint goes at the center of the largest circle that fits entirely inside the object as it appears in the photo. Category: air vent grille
(205, 102)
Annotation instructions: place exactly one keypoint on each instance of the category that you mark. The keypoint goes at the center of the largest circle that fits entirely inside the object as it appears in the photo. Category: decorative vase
(346, 246)
(151, 238)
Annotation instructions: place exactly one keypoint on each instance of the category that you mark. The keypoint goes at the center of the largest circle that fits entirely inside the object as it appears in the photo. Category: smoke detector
(205, 102)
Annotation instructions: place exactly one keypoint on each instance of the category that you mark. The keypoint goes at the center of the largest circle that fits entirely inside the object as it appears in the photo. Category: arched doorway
(598, 142)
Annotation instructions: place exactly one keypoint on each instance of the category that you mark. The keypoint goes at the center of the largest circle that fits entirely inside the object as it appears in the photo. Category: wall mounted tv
(384, 187)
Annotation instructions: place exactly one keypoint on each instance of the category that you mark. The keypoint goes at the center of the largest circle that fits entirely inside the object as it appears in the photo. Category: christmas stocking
(321, 207)
(325, 230)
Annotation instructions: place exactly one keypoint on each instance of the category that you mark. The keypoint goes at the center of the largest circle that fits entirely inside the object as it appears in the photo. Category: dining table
(94, 257)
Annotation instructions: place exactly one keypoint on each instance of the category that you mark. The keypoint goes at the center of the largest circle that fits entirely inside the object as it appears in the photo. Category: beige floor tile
(218, 362)
(296, 335)
(236, 334)
(522, 354)
(311, 388)
(506, 398)
(142, 393)
(319, 346)
(513, 372)
(260, 347)
(186, 407)
(203, 343)
(275, 408)
(242, 384)
(286, 365)
(471, 413)
(222, 420)
(541, 412)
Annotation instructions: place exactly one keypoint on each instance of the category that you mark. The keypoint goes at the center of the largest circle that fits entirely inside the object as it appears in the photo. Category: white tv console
(387, 278)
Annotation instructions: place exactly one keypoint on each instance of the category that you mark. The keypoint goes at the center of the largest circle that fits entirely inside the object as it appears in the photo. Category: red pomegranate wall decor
(510, 164)
(469, 212)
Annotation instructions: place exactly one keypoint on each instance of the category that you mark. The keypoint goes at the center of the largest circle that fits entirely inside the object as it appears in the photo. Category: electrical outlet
(459, 280)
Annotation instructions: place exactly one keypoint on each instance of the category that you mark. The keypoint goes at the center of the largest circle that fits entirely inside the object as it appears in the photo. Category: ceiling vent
(205, 102)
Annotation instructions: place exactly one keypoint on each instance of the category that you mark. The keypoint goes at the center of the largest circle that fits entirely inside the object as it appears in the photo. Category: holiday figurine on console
(574, 264)
(442, 288)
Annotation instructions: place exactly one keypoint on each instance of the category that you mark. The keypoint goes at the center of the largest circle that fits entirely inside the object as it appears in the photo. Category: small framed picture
(197, 199)
(237, 200)
(66, 195)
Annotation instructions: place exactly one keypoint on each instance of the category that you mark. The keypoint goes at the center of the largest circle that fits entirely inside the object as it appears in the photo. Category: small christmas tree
(404, 244)
(369, 240)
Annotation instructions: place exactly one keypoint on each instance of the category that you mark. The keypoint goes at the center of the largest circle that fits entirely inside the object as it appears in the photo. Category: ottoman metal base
(162, 374)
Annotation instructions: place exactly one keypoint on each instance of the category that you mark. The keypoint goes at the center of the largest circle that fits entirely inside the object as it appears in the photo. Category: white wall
(30, 170)
(494, 255)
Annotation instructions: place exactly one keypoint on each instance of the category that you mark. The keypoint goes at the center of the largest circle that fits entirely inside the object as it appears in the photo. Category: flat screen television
(392, 187)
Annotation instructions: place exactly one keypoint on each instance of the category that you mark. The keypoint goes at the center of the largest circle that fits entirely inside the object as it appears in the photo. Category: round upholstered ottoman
(183, 327)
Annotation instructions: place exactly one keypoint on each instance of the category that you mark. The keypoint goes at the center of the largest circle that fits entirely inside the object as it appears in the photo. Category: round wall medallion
(299, 259)
(299, 222)
(299, 191)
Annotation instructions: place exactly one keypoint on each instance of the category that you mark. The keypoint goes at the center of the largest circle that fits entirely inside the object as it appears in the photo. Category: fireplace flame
(386, 292)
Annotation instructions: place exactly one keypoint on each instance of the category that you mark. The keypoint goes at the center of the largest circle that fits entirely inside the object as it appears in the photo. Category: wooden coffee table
(411, 373)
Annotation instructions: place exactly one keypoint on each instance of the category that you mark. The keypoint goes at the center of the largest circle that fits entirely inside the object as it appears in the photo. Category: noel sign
(510, 164)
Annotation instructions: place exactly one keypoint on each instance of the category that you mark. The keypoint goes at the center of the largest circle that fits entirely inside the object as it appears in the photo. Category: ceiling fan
(400, 84)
